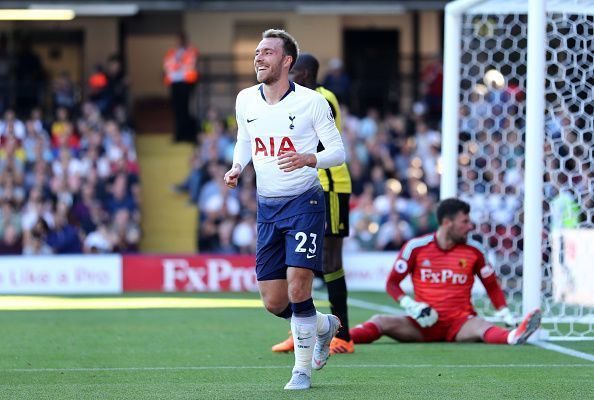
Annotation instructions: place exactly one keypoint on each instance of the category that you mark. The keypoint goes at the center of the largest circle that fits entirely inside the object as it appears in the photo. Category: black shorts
(337, 214)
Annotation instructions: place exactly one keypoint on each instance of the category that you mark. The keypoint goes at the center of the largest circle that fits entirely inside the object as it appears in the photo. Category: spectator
(116, 89)
(120, 197)
(244, 234)
(196, 178)
(63, 92)
(10, 242)
(64, 237)
(30, 77)
(98, 241)
(10, 218)
(62, 132)
(11, 125)
(97, 87)
(432, 88)
(225, 234)
(393, 233)
(337, 81)
(181, 75)
(35, 242)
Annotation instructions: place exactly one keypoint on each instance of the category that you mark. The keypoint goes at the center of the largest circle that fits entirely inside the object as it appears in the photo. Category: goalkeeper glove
(420, 312)
(506, 316)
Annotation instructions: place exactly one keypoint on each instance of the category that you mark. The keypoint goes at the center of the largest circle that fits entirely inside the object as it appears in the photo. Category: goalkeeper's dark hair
(449, 208)
(290, 46)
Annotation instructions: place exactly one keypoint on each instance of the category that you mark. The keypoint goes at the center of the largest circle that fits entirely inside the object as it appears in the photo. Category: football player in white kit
(279, 126)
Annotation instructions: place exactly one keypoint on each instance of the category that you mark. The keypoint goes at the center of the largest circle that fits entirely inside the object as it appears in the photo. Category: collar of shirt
(291, 89)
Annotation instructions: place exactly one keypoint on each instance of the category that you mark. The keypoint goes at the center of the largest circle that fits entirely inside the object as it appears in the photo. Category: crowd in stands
(68, 171)
(492, 171)
(394, 166)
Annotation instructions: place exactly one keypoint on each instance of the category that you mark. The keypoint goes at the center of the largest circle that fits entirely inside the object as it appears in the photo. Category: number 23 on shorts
(306, 244)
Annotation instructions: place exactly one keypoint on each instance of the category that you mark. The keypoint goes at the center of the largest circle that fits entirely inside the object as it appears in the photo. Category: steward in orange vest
(180, 63)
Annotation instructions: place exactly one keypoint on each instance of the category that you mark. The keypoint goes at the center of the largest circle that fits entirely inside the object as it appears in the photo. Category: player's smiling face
(459, 227)
(269, 60)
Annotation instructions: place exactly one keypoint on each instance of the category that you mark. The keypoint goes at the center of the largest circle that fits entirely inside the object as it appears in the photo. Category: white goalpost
(518, 145)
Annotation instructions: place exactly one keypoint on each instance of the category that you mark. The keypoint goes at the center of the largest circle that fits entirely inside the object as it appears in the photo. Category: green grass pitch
(224, 353)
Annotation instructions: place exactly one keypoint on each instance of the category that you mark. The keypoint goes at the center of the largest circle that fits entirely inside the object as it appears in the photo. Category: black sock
(287, 313)
(337, 295)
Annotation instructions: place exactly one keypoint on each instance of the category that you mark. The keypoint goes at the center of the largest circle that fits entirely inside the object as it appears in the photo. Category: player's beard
(458, 239)
(272, 75)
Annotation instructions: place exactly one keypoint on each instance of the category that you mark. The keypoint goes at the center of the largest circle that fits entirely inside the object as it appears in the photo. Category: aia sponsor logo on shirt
(272, 146)
(442, 276)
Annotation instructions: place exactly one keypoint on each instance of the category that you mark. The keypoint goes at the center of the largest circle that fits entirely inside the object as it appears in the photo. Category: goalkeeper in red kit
(442, 266)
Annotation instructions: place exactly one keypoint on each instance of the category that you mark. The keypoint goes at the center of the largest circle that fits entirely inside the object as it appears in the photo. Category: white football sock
(322, 323)
(304, 331)
(511, 337)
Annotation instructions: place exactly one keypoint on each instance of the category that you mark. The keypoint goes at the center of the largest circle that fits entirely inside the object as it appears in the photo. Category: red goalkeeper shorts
(442, 331)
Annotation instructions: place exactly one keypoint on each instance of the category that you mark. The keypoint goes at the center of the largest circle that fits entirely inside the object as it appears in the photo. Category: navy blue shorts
(290, 233)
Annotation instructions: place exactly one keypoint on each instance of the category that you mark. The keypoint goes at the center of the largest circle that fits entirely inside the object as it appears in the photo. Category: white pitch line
(375, 307)
(228, 367)
(564, 350)
(365, 304)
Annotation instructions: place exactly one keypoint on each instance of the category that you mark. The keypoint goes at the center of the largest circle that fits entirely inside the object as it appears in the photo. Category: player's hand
(507, 317)
(232, 176)
(290, 161)
(420, 312)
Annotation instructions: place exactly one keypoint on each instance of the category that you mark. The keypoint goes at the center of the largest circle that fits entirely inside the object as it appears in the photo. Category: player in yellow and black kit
(336, 182)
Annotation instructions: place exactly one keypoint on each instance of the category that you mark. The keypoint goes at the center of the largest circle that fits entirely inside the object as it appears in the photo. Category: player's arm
(487, 276)
(397, 275)
(325, 126)
(242, 154)
(423, 313)
(333, 153)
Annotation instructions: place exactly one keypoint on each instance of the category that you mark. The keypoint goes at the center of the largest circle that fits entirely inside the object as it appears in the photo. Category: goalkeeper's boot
(285, 346)
(528, 326)
(341, 346)
(299, 381)
(322, 348)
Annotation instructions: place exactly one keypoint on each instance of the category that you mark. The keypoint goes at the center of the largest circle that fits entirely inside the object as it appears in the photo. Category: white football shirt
(296, 123)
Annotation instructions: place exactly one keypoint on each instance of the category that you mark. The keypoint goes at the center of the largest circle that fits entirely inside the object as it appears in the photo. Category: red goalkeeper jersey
(444, 278)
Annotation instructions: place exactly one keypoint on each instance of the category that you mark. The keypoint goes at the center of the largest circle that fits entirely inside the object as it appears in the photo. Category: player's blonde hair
(290, 46)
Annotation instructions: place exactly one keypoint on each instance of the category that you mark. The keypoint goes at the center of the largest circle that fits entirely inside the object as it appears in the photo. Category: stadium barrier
(108, 274)
(61, 274)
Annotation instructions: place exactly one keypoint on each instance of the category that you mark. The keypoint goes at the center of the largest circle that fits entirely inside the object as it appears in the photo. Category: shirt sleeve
(399, 271)
(242, 154)
(486, 274)
(324, 125)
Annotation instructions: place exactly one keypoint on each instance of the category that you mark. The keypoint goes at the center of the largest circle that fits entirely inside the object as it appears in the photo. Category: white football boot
(299, 381)
(322, 347)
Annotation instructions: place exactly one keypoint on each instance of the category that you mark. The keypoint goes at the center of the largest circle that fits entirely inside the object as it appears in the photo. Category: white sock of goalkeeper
(304, 327)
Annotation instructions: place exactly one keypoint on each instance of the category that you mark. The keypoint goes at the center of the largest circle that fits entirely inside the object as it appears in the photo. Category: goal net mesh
(491, 147)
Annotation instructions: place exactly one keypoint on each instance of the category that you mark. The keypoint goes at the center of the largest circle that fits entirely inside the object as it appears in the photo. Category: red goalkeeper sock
(366, 332)
(496, 335)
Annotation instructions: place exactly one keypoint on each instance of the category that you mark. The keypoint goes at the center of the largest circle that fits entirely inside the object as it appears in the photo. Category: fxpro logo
(442, 276)
(217, 275)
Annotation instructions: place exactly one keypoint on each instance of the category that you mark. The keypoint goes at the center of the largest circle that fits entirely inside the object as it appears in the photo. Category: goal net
(489, 145)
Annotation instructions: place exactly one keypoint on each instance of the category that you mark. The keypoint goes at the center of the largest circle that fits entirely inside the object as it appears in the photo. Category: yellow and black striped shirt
(335, 179)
